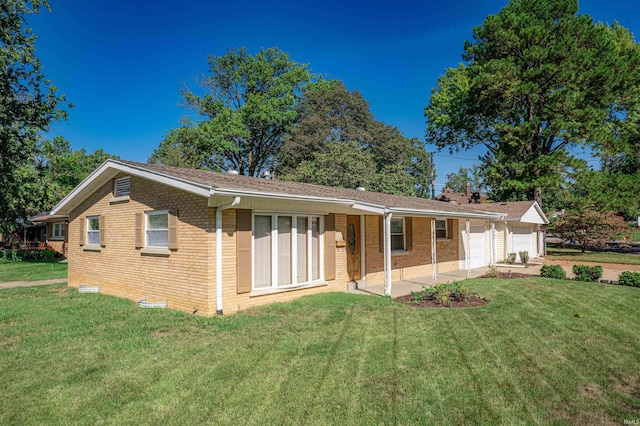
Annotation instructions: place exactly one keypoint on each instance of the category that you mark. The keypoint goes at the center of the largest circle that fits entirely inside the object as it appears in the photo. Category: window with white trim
(441, 230)
(286, 250)
(93, 230)
(58, 231)
(157, 228)
(122, 187)
(397, 234)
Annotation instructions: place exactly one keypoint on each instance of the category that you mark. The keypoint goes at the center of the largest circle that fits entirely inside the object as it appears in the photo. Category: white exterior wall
(500, 247)
(532, 216)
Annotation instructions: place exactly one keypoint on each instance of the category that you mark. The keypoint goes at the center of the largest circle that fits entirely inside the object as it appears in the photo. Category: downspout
(434, 273)
(387, 253)
(219, 210)
(468, 251)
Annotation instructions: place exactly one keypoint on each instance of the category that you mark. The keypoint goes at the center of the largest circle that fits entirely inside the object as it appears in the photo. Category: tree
(28, 103)
(54, 171)
(537, 79)
(249, 103)
(334, 120)
(180, 147)
(457, 182)
(590, 228)
(612, 188)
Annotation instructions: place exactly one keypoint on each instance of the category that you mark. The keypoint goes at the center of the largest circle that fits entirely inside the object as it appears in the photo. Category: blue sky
(122, 63)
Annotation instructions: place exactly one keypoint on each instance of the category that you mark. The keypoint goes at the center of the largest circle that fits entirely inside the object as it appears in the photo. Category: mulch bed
(471, 302)
(508, 275)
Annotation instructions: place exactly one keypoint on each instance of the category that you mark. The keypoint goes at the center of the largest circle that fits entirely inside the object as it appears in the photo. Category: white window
(286, 250)
(58, 231)
(441, 230)
(93, 230)
(122, 187)
(157, 228)
(397, 234)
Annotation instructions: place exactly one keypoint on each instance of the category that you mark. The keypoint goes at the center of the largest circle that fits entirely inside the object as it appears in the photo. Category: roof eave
(109, 169)
(448, 214)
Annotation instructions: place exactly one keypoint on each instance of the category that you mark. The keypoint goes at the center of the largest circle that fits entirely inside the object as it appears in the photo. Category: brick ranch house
(217, 243)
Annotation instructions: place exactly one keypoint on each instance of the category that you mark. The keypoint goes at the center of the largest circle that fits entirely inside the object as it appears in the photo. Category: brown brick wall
(233, 302)
(414, 263)
(182, 278)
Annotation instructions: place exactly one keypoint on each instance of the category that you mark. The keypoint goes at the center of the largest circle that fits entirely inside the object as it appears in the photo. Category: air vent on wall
(122, 187)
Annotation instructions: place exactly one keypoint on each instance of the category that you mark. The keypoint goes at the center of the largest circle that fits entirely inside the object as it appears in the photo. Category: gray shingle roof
(513, 209)
(245, 183)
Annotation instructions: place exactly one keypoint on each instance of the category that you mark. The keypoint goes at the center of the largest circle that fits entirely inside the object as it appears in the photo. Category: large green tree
(180, 147)
(337, 123)
(28, 103)
(247, 102)
(52, 172)
(457, 182)
(537, 79)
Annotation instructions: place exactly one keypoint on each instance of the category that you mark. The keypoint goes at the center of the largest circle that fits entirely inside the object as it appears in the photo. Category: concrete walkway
(403, 287)
(12, 284)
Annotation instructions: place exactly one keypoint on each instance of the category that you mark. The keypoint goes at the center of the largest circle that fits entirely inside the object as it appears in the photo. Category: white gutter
(368, 208)
(219, 210)
(279, 196)
(387, 253)
(444, 215)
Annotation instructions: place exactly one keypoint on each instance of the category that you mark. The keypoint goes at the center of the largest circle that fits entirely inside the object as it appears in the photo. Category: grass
(543, 351)
(32, 271)
(575, 255)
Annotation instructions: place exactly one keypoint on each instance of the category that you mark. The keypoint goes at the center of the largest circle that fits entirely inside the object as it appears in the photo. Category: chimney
(468, 189)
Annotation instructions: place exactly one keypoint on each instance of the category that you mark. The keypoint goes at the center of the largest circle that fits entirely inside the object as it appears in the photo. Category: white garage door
(478, 247)
(522, 241)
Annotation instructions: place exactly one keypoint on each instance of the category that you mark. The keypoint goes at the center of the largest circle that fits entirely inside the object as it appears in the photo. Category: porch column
(467, 252)
(387, 254)
(494, 246)
(434, 265)
(506, 240)
(363, 240)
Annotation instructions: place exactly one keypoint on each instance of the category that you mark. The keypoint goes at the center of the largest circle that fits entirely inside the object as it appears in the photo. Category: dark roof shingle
(245, 183)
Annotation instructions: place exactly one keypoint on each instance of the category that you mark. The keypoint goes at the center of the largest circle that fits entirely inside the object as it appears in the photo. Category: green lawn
(543, 351)
(573, 254)
(32, 271)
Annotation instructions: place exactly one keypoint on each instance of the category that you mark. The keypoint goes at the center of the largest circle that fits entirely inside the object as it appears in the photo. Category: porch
(404, 287)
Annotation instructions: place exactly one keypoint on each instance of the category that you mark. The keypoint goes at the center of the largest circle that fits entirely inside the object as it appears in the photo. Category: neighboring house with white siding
(211, 242)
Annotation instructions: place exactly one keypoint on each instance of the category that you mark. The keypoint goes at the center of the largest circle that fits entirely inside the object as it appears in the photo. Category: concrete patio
(404, 287)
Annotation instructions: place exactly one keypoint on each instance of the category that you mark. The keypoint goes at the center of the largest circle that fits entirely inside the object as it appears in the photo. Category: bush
(587, 273)
(443, 293)
(553, 271)
(511, 259)
(9, 256)
(629, 278)
(524, 257)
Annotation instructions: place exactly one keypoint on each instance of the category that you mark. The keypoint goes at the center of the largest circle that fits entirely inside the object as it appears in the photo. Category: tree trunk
(537, 196)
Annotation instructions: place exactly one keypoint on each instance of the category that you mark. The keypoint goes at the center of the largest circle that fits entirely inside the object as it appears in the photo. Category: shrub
(524, 257)
(587, 273)
(442, 293)
(9, 256)
(553, 271)
(511, 259)
(629, 278)
(492, 272)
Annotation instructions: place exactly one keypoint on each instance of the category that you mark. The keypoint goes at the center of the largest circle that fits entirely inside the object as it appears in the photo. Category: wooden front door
(353, 248)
